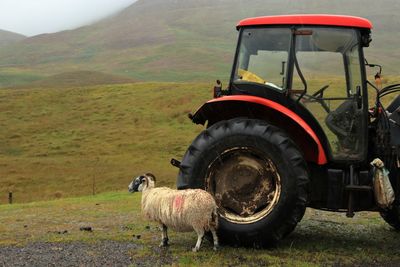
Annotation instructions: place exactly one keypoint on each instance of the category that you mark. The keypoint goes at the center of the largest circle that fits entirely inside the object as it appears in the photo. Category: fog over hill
(7, 38)
(184, 40)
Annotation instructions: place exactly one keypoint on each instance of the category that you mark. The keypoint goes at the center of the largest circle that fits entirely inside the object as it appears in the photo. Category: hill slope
(56, 141)
(7, 37)
(182, 40)
(79, 79)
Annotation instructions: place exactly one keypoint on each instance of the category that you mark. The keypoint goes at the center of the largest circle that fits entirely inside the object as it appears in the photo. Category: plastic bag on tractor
(383, 189)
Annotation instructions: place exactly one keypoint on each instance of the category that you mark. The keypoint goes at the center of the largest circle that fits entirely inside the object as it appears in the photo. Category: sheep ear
(151, 176)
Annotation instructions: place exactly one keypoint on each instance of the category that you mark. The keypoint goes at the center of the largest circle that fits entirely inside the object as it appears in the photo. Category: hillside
(55, 142)
(181, 40)
(79, 79)
(58, 142)
(7, 38)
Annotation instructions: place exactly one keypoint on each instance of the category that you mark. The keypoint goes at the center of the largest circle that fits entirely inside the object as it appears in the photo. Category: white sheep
(181, 210)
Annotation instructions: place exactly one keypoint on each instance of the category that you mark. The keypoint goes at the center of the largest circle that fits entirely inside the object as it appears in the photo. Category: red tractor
(297, 127)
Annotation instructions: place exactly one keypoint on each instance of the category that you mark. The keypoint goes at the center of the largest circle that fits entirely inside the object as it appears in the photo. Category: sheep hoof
(163, 245)
(164, 242)
(195, 249)
(216, 248)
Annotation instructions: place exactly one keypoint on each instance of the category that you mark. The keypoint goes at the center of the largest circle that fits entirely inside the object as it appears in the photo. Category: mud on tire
(257, 175)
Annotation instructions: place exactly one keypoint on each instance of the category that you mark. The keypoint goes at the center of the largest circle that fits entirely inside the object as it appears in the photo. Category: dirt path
(108, 253)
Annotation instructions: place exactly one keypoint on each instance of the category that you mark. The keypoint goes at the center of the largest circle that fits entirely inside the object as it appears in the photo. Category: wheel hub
(245, 184)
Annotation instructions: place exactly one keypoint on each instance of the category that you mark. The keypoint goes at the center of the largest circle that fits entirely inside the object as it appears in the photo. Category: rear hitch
(175, 163)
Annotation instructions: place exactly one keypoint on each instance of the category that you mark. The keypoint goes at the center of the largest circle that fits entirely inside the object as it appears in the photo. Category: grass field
(14, 77)
(56, 142)
(321, 238)
(62, 142)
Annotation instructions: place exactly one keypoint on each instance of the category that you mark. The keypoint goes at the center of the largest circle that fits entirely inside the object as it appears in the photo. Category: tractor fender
(229, 107)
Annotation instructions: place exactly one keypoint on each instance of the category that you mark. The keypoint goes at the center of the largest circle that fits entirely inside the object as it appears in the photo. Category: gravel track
(107, 253)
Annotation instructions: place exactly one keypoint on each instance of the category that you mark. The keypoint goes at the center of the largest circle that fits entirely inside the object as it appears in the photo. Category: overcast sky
(31, 17)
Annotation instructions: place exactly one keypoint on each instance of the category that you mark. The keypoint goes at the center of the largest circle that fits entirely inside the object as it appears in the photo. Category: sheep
(181, 210)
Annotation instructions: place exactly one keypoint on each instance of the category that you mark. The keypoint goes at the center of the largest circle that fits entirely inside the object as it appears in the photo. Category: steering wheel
(321, 91)
(318, 95)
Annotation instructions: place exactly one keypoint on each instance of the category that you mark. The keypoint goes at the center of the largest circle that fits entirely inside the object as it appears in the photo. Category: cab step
(359, 188)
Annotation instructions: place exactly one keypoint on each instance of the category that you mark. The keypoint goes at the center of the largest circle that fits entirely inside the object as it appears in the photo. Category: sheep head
(142, 182)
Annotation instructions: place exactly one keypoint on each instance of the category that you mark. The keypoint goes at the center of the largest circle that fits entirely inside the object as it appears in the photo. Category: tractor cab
(315, 66)
(295, 129)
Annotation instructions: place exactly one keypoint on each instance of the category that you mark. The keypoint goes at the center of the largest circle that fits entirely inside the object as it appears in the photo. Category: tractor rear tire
(257, 176)
(392, 217)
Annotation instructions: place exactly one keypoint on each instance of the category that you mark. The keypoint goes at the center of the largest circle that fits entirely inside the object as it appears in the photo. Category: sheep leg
(164, 236)
(200, 235)
(215, 238)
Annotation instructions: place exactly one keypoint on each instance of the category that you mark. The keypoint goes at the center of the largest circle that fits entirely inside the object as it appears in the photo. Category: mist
(32, 17)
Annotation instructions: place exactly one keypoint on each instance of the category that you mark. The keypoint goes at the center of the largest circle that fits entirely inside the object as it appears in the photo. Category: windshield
(319, 67)
(328, 56)
(263, 56)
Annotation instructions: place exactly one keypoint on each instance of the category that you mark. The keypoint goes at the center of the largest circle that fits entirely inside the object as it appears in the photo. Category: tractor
(297, 126)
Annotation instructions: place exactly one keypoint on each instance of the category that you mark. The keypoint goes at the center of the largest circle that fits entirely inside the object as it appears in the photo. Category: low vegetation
(321, 238)
(61, 142)
(78, 78)
(75, 141)
(15, 77)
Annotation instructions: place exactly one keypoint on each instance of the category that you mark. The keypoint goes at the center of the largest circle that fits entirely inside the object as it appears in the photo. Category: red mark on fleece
(178, 203)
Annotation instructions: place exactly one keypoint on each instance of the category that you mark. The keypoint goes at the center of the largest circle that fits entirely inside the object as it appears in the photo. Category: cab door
(327, 68)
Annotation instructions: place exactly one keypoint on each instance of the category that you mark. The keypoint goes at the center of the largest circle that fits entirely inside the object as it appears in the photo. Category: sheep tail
(214, 218)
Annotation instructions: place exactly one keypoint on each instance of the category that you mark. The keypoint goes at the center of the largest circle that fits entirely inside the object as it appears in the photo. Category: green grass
(77, 78)
(15, 77)
(54, 142)
(40, 221)
(321, 238)
(58, 142)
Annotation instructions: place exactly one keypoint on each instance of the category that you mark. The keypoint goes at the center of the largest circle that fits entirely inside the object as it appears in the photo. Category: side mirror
(378, 75)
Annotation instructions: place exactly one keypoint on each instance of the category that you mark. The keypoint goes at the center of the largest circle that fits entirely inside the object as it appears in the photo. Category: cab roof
(309, 19)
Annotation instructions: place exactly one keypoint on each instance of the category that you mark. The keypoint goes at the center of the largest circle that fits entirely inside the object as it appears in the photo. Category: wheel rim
(245, 183)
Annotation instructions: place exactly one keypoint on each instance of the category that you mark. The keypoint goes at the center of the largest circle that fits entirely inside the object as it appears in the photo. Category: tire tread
(285, 145)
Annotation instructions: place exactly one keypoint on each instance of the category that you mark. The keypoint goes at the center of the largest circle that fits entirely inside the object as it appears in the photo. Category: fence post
(10, 197)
